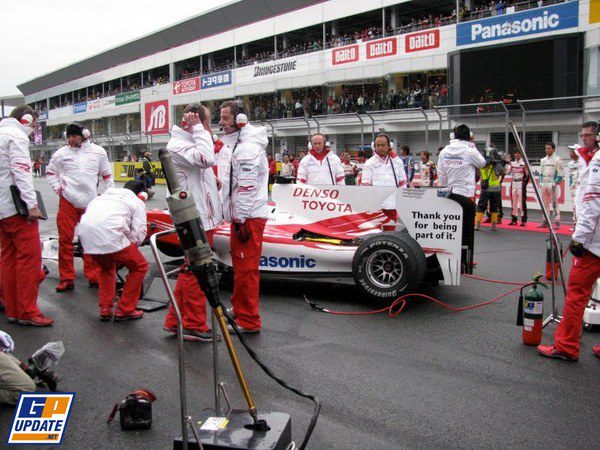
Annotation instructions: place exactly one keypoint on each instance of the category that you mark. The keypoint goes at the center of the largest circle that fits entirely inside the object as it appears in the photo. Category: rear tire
(388, 265)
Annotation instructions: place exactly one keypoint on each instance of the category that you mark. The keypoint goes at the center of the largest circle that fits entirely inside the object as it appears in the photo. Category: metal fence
(489, 121)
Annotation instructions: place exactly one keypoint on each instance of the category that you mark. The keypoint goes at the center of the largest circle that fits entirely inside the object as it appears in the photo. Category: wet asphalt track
(430, 378)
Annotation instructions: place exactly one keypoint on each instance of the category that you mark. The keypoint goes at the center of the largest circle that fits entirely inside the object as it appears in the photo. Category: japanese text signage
(424, 40)
(157, 117)
(216, 79)
(127, 97)
(187, 85)
(525, 23)
(79, 108)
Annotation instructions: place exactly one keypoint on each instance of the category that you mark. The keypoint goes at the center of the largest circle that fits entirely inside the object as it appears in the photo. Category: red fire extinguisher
(531, 313)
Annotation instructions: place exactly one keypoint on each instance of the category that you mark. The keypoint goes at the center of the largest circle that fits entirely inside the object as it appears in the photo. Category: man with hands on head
(192, 149)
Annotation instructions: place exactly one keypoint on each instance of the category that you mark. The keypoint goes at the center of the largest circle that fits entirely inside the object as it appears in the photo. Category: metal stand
(554, 316)
(186, 420)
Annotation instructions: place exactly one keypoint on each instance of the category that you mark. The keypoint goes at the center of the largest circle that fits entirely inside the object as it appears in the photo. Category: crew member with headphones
(21, 259)
(73, 174)
(321, 166)
(385, 168)
(192, 148)
(245, 196)
(457, 166)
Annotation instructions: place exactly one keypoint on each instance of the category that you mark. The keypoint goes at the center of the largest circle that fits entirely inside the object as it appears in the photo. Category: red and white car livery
(326, 231)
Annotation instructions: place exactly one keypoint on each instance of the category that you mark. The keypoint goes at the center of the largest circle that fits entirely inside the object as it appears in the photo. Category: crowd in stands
(306, 103)
(417, 96)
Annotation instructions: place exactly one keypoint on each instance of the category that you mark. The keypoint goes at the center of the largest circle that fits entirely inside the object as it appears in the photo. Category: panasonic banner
(521, 24)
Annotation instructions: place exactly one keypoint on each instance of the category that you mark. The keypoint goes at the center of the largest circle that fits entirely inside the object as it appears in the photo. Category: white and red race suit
(385, 171)
(586, 269)
(573, 167)
(73, 174)
(457, 166)
(427, 171)
(517, 170)
(585, 158)
(21, 258)
(245, 195)
(193, 157)
(551, 174)
(323, 168)
(111, 229)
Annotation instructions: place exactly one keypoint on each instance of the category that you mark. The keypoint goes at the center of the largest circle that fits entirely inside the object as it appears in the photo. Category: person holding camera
(491, 189)
(585, 270)
(21, 258)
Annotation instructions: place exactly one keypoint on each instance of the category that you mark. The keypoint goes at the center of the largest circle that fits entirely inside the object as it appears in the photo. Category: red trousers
(21, 265)
(190, 300)
(67, 219)
(584, 273)
(246, 260)
(132, 259)
(391, 214)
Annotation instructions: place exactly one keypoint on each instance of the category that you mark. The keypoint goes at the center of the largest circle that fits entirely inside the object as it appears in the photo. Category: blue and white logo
(79, 108)
(216, 79)
(526, 23)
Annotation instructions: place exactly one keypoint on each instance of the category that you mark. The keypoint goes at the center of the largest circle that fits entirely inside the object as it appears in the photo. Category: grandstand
(348, 68)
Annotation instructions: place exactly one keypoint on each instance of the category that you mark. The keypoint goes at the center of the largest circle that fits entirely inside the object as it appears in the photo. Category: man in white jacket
(457, 168)
(73, 174)
(111, 229)
(21, 259)
(245, 200)
(585, 270)
(321, 166)
(385, 168)
(192, 149)
(551, 174)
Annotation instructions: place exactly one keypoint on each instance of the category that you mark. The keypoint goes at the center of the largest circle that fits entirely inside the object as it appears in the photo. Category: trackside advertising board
(521, 24)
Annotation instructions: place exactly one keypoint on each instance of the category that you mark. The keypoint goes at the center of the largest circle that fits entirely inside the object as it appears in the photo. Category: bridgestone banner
(288, 66)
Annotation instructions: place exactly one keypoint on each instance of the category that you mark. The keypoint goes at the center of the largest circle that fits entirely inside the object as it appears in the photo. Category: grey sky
(39, 36)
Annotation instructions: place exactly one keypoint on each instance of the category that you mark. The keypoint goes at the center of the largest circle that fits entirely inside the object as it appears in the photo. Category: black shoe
(523, 224)
(93, 284)
(198, 336)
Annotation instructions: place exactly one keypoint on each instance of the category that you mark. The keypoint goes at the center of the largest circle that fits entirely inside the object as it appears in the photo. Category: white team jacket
(388, 171)
(456, 167)
(193, 157)
(551, 170)
(73, 173)
(587, 230)
(15, 166)
(585, 155)
(323, 169)
(249, 185)
(112, 222)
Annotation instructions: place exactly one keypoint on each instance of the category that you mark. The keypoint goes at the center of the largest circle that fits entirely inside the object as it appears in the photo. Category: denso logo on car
(284, 262)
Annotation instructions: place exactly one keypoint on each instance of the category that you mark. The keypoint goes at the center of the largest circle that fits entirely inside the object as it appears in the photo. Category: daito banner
(381, 48)
(157, 117)
(425, 40)
(344, 55)
(187, 85)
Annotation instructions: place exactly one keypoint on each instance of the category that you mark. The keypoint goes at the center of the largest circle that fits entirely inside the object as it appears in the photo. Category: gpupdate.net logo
(40, 418)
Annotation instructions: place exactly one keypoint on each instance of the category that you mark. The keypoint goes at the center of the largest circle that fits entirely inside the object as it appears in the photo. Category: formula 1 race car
(336, 231)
